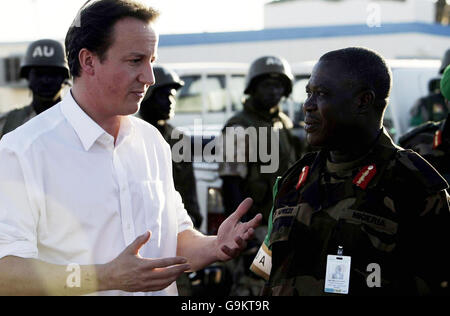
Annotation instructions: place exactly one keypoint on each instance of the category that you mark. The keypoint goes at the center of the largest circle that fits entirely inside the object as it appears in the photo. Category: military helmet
(164, 77)
(434, 84)
(445, 61)
(44, 53)
(270, 65)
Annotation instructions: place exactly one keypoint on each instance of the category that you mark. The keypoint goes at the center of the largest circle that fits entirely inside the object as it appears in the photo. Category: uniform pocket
(283, 220)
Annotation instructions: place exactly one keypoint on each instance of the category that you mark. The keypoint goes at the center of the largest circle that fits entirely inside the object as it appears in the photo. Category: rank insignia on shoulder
(364, 176)
(302, 178)
(437, 139)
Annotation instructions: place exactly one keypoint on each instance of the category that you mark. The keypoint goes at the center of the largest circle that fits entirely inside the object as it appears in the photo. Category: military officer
(157, 108)
(269, 80)
(45, 67)
(431, 107)
(362, 203)
(432, 140)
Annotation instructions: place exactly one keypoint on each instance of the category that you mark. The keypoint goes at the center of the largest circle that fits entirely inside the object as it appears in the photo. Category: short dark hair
(366, 69)
(93, 27)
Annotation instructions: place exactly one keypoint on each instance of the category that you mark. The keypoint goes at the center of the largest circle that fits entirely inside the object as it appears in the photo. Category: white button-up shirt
(68, 194)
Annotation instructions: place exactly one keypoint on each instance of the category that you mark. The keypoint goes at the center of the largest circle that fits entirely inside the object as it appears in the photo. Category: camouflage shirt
(432, 141)
(389, 208)
(11, 120)
(256, 182)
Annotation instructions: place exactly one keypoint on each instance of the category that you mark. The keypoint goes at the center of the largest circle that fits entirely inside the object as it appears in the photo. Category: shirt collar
(86, 128)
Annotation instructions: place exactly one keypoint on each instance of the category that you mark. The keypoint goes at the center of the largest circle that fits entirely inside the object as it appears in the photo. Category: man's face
(122, 79)
(46, 82)
(329, 110)
(268, 92)
(160, 105)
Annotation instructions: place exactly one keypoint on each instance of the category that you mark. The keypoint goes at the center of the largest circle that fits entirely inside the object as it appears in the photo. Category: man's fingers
(137, 244)
(242, 209)
(164, 262)
(160, 278)
(255, 221)
(229, 252)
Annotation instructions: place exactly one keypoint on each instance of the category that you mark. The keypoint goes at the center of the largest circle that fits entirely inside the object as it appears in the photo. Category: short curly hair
(94, 25)
(366, 69)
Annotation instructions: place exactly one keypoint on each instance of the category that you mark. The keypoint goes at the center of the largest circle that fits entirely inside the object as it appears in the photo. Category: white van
(213, 93)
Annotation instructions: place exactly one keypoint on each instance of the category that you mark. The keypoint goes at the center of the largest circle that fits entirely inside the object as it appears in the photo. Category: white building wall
(390, 46)
(315, 13)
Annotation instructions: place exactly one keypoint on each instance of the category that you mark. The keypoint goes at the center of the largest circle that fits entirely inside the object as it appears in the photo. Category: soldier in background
(157, 108)
(45, 67)
(361, 198)
(269, 80)
(432, 140)
(431, 107)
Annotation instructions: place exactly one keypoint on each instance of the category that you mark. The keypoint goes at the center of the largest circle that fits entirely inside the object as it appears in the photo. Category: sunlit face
(329, 110)
(122, 79)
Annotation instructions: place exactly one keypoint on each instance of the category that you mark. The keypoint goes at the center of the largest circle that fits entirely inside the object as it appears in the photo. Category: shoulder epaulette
(306, 160)
(425, 127)
(421, 170)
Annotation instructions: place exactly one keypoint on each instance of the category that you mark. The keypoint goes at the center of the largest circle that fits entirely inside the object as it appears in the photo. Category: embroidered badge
(364, 176)
(437, 139)
(302, 178)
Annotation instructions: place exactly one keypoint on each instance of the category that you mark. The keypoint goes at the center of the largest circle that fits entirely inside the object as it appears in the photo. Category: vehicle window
(237, 87)
(299, 96)
(189, 97)
(216, 96)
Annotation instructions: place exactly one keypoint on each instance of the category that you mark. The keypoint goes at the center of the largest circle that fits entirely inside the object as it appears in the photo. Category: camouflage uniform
(15, 118)
(390, 207)
(429, 108)
(432, 141)
(256, 184)
(184, 178)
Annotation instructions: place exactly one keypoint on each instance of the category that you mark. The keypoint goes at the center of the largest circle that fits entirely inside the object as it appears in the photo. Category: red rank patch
(437, 139)
(302, 178)
(365, 176)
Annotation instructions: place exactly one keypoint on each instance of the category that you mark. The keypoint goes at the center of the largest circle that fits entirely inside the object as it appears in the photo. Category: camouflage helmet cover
(268, 65)
(164, 77)
(44, 53)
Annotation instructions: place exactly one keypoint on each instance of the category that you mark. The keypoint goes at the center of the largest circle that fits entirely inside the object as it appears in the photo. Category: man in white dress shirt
(87, 200)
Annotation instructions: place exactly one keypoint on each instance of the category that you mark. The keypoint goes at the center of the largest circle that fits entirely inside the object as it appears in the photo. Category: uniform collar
(87, 129)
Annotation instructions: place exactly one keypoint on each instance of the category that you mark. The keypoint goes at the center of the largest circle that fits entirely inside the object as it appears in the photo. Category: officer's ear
(87, 61)
(366, 100)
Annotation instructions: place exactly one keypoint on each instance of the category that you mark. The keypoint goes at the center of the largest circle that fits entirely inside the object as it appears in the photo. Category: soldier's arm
(424, 235)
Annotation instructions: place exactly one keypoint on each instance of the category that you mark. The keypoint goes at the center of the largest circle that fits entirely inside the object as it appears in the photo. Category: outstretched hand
(233, 235)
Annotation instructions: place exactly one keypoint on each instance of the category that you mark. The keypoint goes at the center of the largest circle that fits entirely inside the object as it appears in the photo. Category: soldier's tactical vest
(16, 118)
(362, 215)
(258, 185)
(432, 141)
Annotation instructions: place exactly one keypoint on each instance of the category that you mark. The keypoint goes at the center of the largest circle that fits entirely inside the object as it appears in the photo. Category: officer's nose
(309, 105)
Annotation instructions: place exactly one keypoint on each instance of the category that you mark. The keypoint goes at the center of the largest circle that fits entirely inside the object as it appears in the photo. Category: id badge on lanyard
(337, 278)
